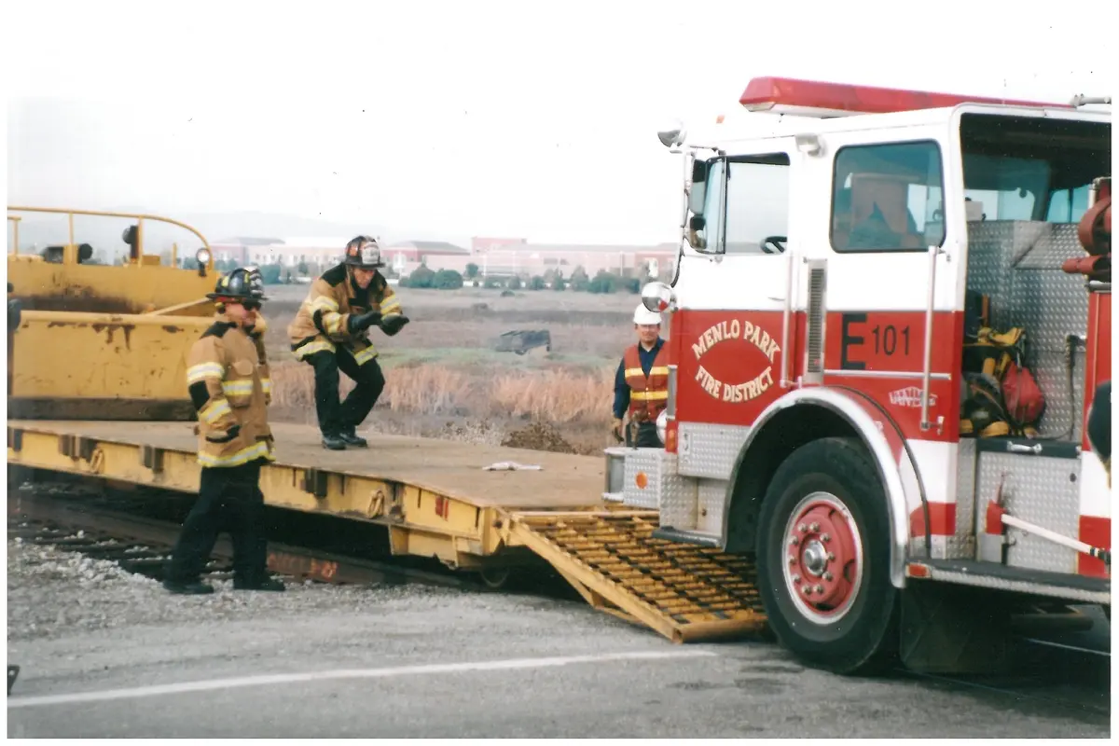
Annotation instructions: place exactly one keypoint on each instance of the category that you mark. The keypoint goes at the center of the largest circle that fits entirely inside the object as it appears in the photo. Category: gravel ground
(92, 594)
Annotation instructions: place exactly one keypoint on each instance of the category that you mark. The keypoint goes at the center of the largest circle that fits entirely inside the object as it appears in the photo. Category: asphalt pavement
(442, 663)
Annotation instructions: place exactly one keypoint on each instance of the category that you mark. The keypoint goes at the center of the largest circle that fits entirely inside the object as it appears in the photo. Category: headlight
(203, 257)
(662, 424)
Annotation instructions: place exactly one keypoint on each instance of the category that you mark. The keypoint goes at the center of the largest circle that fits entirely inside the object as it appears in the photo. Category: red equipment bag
(1024, 401)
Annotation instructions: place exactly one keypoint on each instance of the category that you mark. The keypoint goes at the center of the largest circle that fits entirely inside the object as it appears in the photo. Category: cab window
(757, 205)
(888, 197)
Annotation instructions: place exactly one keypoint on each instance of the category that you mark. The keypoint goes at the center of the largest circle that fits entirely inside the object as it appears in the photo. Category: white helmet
(644, 316)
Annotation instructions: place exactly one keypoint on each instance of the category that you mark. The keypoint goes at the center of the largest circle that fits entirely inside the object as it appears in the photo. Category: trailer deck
(437, 498)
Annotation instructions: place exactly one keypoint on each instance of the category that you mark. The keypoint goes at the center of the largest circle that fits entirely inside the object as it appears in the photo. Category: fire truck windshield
(1027, 168)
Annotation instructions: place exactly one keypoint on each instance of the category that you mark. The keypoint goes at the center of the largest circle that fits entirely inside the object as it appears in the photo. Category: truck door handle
(1018, 448)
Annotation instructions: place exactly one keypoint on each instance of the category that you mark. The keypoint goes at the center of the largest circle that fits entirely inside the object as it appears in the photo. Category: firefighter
(330, 334)
(1099, 426)
(641, 384)
(227, 377)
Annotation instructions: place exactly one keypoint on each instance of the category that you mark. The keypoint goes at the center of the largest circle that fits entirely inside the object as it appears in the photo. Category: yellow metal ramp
(686, 593)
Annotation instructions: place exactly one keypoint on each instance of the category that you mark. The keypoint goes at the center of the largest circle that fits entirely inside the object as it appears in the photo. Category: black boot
(333, 442)
(351, 438)
(194, 588)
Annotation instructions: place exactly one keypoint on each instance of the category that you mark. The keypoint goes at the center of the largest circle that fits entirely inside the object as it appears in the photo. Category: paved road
(449, 664)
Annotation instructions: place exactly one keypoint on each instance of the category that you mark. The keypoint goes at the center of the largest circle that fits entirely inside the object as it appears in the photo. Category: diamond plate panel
(709, 451)
(1040, 490)
(655, 465)
(962, 544)
(1018, 264)
(712, 498)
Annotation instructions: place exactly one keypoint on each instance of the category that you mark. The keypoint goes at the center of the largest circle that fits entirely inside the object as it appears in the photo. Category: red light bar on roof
(813, 98)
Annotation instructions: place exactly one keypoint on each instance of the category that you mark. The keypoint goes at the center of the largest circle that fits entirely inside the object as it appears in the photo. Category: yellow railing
(138, 217)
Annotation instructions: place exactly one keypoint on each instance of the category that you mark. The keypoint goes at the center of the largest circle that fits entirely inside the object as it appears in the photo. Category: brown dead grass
(557, 395)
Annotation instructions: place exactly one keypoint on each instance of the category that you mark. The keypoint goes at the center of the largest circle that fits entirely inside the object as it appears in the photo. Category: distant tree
(422, 277)
(538, 283)
(471, 271)
(491, 282)
(447, 279)
(270, 273)
(303, 269)
(603, 282)
(579, 280)
(559, 283)
(514, 283)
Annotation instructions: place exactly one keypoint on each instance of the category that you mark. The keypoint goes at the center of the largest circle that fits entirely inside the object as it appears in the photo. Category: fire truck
(890, 313)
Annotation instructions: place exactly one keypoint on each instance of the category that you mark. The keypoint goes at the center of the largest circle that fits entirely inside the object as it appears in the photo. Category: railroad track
(141, 544)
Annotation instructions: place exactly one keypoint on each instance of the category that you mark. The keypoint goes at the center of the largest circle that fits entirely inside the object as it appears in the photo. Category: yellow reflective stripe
(333, 323)
(266, 384)
(258, 449)
(237, 388)
(660, 370)
(215, 410)
(648, 395)
(312, 347)
(365, 355)
(324, 303)
(203, 371)
(390, 307)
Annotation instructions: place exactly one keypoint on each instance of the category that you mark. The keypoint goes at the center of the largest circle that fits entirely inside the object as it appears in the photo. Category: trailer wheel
(823, 558)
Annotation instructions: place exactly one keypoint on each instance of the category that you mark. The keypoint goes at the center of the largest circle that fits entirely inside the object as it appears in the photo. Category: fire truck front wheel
(823, 558)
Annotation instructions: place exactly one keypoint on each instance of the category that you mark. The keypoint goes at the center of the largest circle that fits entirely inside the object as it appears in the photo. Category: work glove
(225, 437)
(355, 324)
(616, 430)
(392, 324)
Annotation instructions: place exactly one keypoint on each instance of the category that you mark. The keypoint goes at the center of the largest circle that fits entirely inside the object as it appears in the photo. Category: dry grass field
(444, 377)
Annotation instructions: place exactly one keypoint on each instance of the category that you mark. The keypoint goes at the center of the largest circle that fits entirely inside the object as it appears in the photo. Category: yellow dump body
(103, 341)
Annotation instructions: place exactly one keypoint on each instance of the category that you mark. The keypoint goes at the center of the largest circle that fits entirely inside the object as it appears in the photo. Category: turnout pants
(229, 500)
(644, 437)
(341, 417)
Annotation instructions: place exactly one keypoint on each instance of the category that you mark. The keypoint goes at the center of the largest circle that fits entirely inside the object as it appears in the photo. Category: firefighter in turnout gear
(227, 377)
(641, 384)
(330, 333)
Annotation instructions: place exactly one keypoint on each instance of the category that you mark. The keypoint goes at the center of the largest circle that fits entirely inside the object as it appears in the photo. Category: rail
(926, 372)
(138, 217)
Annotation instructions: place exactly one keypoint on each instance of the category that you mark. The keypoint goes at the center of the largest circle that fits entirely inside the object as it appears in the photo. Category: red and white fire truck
(872, 289)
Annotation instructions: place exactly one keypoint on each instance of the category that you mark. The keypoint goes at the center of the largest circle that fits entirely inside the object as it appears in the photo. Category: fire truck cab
(872, 289)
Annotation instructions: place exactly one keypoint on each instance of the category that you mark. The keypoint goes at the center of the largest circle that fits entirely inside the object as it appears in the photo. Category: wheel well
(787, 431)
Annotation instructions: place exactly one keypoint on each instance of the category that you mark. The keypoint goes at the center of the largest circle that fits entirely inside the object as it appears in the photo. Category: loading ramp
(438, 499)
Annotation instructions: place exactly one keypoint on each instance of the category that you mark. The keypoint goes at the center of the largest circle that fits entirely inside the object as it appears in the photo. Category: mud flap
(13, 672)
(948, 629)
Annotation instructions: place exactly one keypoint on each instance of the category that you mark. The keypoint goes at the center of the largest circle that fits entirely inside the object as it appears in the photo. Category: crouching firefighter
(330, 333)
(227, 376)
(641, 383)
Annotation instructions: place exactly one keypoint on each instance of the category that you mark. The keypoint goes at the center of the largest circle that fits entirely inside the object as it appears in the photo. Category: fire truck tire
(823, 558)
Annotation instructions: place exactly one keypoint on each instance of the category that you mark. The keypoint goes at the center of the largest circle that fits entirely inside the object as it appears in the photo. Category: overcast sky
(533, 119)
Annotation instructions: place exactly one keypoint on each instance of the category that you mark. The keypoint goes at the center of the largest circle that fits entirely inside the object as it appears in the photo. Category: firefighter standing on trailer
(330, 334)
(641, 384)
(227, 376)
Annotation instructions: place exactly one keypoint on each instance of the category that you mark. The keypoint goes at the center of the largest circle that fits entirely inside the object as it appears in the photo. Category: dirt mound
(538, 437)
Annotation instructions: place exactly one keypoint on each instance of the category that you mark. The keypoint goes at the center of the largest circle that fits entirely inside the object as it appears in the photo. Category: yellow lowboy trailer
(102, 394)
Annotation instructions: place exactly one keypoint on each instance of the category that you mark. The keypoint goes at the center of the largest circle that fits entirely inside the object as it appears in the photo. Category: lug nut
(826, 537)
(819, 589)
(802, 528)
(793, 541)
(815, 526)
(792, 559)
(796, 578)
(828, 576)
(807, 590)
(831, 557)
